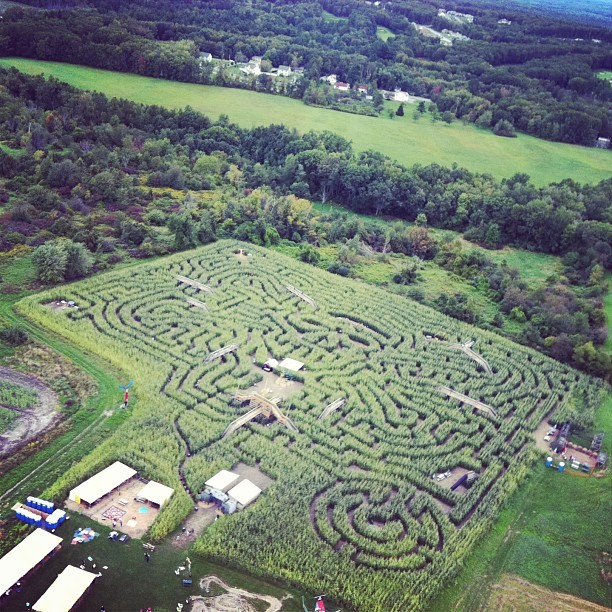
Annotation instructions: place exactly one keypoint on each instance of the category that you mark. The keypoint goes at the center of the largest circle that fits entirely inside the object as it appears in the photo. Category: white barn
(101, 484)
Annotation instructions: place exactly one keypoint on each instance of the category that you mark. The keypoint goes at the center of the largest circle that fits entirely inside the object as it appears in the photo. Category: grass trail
(407, 140)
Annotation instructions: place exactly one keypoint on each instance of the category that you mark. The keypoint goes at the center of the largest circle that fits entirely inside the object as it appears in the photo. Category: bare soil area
(272, 385)
(233, 600)
(31, 422)
(254, 474)
(134, 522)
(195, 524)
(519, 595)
(456, 474)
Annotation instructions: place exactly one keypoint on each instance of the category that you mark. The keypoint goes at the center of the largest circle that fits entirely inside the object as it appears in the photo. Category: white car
(546, 438)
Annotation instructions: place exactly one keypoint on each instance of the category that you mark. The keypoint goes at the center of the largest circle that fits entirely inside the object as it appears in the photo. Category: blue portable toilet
(30, 501)
(548, 461)
(62, 516)
(561, 467)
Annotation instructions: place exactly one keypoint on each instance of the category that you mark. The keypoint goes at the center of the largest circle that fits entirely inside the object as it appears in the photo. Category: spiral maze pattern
(385, 355)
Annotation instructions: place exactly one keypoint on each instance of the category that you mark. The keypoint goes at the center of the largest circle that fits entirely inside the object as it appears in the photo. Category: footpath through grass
(404, 139)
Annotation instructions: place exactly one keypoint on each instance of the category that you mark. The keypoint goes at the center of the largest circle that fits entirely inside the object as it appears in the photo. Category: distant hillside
(585, 11)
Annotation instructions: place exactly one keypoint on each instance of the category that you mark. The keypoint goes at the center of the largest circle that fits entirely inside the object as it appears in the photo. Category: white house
(340, 86)
(251, 68)
(284, 70)
(401, 96)
(205, 58)
(331, 79)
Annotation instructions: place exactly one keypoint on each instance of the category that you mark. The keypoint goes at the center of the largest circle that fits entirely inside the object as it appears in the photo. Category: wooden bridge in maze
(259, 406)
(332, 407)
(230, 348)
(467, 349)
(193, 283)
(299, 293)
(466, 399)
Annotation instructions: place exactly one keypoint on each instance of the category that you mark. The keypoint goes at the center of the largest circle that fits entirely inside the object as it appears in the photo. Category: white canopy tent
(67, 589)
(156, 493)
(102, 483)
(244, 493)
(291, 364)
(26, 556)
(222, 481)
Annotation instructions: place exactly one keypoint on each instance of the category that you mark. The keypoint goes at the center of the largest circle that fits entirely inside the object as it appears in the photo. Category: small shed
(67, 590)
(156, 493)
(291, 364)
(270, 365)
(222, 481)
(602, 460)
(244, 493)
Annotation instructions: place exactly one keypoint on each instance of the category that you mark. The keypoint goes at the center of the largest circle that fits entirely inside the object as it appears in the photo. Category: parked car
(124, 539)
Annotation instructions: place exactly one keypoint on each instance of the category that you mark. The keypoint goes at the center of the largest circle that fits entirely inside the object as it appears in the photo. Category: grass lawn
(552, 533)
(384, 33)
(402, 138)
(331, 17)
(606, 75)
(7, 149)
(130, 583)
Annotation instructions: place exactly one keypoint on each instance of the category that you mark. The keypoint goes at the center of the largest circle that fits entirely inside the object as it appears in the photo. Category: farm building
(244, 493)
(291, 364)
(66, 592)
(340, 86)
(205, 58)
(156, 493)
(270, 365)
(25, 557)
(101, 484)
(284, 70)
(218, 486)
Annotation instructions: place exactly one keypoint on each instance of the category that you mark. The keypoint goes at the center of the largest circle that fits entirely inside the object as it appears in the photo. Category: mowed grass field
(402, 138)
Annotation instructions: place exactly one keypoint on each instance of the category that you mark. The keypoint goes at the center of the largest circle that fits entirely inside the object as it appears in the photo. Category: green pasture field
(384, 33)
(606, 75)
(365, 501)
(402, 138)
(331, 17)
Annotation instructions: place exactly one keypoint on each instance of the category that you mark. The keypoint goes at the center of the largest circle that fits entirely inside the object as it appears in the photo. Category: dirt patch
(517, 594)
(233, 600)
(456, 474)
(540, 433)
(30, 422)
(272, 385)
(134, 522)
(195, 524)
(254, 474)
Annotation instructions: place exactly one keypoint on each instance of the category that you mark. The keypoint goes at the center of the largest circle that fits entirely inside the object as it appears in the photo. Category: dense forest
(528, 73)
(88, 181)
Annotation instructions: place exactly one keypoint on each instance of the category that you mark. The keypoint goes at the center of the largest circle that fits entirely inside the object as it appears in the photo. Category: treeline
(81, 174)
(536, 74)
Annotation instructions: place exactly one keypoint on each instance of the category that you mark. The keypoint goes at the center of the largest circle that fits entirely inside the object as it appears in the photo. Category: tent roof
(245, 492)
(103, 482)
(67, 589)
(291, 364)
(26, 555)
(272, 362)
(156, 492)
(222, 481)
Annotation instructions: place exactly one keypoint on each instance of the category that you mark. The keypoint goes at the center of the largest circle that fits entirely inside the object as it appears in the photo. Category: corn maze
(354, 511)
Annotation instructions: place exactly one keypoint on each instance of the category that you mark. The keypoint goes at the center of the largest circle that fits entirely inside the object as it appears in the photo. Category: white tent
(291, 364)
(222, 481)
(67, 589)
(156, 493)
(102, 483)
(26, 556)
(244, 493)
